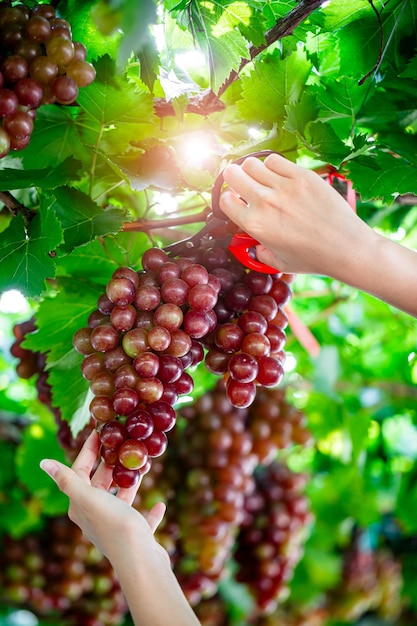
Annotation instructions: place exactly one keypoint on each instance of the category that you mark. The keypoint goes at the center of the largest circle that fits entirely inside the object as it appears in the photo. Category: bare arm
(125, 537)
(305, 226)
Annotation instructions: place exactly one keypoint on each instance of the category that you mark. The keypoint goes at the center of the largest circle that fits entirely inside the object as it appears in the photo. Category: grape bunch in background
(39, 64)
(58, 571)
(151, 326)
(33, 364)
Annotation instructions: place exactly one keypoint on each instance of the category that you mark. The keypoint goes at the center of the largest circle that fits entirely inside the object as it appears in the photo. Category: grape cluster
(39, 64)
(205, 478)
(271, 537)
(34, 364)
(57, 570)
(371, 580)
(151, 326)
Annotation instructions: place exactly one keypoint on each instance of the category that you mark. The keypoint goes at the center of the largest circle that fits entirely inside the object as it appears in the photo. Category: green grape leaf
(45, 178)
(216, 29)
(19, 515)
(136, 17)
(39, 442)
(82, 219)
(58, 317)
(382, 176)
(115, 114)
(25, 252)
(280, 81)
(81, 16)
(55, 138)
(323, 140)
(71, 395)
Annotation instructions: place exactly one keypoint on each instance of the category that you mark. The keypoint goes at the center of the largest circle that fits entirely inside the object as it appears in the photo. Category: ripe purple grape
(139, 424)
(120, 291)
(104, 338)
(112, 434)
(125, 478)
(163, 415)
(125, 400)
(133, 454)
(156, 443)
(8, 102)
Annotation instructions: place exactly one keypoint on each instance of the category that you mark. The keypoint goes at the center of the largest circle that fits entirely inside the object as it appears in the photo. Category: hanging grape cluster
(39, 64)
(151, 326)
(57, 570)
(207, 475)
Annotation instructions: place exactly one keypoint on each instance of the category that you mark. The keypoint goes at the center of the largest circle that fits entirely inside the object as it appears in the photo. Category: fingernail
(50, 467)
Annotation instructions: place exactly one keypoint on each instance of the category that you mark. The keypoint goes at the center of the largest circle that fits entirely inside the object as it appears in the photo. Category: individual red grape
(14, 68)
(29, 92)
(123, 318)
(270, 371)
(241, 395)
(147, 298)
(60, 50)
(146, 364)
(8, 102)
(202, 297)
(37, 28)
(65, 90)
(243, 367)
(168, 315)
(82, 72)
(139, 424)
(133, 454)
(18, 124)
(174, 290)
(228, 337)
(112, 434)
(125, 400)
(104, 338)
(156, 443)
(43, 70)
(101, 408)
(159, 338)
(125, 376)
(163, 415)
(125, 478)
(120, 291)
(149, 389)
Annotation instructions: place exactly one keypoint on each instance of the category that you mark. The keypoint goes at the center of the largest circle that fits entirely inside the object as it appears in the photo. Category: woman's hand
(106, 519)
(301, 222)
(304, 226)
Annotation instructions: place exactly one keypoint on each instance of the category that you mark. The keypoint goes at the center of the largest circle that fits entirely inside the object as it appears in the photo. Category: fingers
(62, 475)
(155, 516)
(102, 477)
(87, 457)
(282, 166)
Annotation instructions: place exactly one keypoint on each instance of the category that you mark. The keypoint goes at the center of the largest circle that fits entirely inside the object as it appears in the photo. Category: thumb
(60, 473)
(156, 515)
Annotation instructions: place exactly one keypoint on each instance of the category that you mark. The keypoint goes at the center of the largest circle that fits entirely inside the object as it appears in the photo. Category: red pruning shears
(240, 244)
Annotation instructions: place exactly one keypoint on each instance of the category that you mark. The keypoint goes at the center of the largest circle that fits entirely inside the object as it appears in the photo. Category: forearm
(383, 268)
(152, 591)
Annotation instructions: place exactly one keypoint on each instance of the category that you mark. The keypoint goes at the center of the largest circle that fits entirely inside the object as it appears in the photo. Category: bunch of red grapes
(151, 326)
(34, 364)
(58, 571)
(271, 537)
(39, 64)
(206, 476)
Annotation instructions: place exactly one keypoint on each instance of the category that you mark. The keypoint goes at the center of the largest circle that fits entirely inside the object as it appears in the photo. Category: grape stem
(208, 102)
(15, 207)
